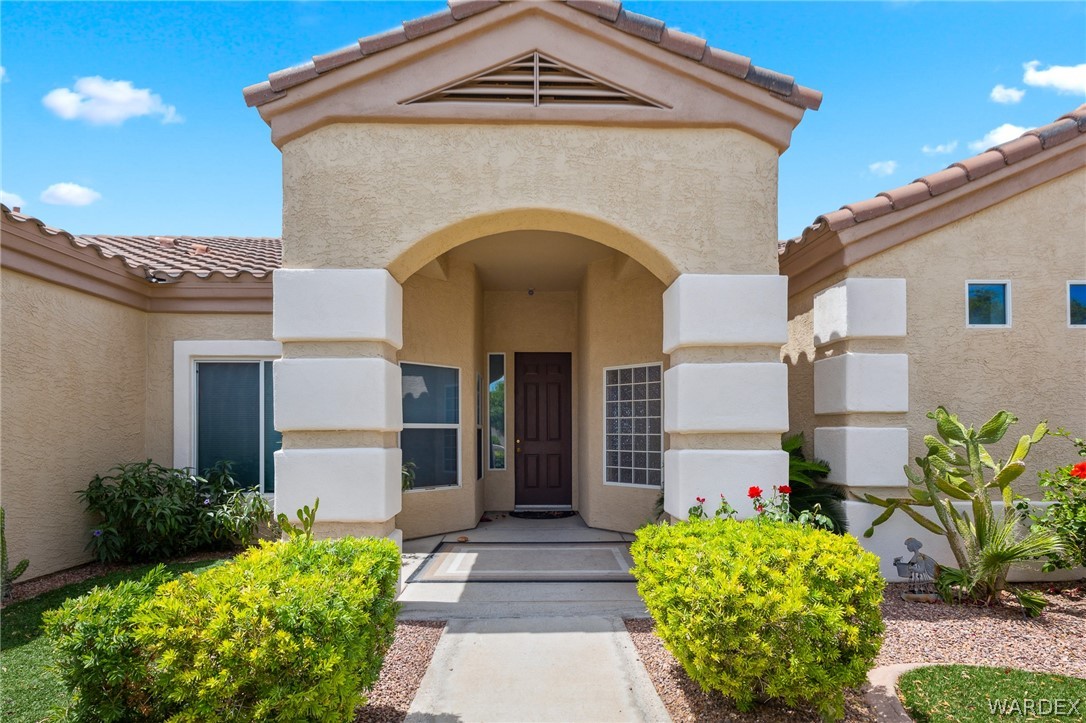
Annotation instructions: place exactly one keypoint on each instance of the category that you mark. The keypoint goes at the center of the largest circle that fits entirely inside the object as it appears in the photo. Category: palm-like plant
(984, 544)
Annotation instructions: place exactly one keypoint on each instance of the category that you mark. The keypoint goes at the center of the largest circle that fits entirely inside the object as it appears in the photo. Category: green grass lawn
(966, 693)
(32, 691)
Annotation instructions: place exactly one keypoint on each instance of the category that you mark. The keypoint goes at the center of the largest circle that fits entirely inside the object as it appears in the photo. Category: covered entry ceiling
(540, 260)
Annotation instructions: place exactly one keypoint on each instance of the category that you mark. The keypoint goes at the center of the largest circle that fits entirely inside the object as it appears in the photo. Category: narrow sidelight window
(496, 393)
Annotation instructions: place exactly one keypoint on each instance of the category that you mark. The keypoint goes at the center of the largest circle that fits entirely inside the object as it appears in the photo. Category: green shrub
(97, 654)
(151, 512)
(290, 631)
(762, 609)
(1065, 488)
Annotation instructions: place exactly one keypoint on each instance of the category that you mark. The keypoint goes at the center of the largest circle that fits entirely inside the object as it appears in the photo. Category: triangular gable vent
(535, 80)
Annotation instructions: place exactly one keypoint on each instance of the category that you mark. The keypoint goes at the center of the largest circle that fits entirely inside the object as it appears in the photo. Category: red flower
(759, 508)
(701, 500)
(1079, 470)
(754, 492)
(785, 489)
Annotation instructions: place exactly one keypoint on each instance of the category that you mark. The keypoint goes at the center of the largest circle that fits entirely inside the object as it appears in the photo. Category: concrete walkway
(535, 651)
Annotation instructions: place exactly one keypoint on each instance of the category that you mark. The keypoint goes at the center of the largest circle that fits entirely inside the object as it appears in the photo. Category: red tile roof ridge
(957, 174)
(147, 258)
(781, 86)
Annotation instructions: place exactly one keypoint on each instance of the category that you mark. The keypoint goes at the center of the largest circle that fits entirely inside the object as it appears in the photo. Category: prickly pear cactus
(8, 576)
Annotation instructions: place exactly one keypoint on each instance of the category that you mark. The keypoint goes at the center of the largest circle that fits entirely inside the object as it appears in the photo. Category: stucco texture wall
(1035, 369)
(397, 195)
(440, 327)
(72, 374)
(621, 323)
(162, 331)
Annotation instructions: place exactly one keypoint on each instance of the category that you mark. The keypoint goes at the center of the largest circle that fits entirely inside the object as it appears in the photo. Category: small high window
(430, 439)
(1076, 303)
(633, 425)
(988, 303)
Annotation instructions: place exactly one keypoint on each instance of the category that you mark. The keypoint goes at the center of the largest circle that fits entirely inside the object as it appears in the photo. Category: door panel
(543, 424)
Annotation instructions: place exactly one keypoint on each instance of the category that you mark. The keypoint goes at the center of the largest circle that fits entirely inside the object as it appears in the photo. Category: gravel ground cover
(915, 633)
(405, 664)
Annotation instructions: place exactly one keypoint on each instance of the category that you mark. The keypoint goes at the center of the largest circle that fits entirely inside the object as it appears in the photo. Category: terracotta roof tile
(771, 80)
(466, 8)
(945, 180)
(642, 26)
(905, 196)
(159, 258)
(870, 208)
(981, 165)
(337, 58)
(725, 62)
(606, 9)
(959, 174)
(1056, 133)
(682, 43)
(288, 78)
(1020, 148)
(428, 24)
(382, 41)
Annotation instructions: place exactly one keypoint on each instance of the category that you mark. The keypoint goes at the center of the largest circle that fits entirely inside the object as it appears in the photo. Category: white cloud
(941, 149)
(69, 194)
(883, 168)
(994, 137)
(11, 200)
(3, 74)
(1064, 78)
(1006, 96)
(107, 102)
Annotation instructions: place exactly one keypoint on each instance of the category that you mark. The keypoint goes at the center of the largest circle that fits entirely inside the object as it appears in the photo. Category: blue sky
(127, 118)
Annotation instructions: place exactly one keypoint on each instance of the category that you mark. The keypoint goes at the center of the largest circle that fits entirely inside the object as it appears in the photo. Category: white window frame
(458, 427)
(505, 409)
(1007, 302)
(186, 355)
(603, 459)
(1071, 283)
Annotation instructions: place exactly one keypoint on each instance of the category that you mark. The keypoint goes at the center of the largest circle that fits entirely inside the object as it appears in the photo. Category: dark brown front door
(543, 425)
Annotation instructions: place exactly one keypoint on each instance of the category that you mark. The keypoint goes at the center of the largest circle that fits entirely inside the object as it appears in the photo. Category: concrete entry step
(559, 669)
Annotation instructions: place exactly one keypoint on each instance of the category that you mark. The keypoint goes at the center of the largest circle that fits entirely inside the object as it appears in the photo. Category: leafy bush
(809, 491)
(8, 575)
(763, 609)
(287, 631)
(151, 512)
(97, 654)
(290, 631)
(1065, 488)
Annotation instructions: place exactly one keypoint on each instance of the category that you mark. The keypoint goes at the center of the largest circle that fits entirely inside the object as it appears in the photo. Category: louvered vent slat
(537, 80)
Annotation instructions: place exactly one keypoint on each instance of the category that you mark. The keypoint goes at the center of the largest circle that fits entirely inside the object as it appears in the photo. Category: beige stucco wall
(162, 331)
(1037, 241)
(1036, 369)
(621, 322)
(515, 322)
(397, 195)
(440, 327)
(73, 389)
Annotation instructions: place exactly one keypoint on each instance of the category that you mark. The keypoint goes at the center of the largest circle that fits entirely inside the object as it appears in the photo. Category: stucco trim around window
(185, 356)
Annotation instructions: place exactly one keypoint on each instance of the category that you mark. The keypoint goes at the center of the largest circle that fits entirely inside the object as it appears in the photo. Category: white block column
(337, 397)
(864, 393)
(726, 392)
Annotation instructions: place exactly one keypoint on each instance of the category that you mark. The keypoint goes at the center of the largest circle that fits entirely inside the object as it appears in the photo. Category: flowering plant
(776, 508)
(1065, 489)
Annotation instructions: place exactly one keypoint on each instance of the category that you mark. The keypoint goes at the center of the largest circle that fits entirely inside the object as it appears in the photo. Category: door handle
(518, 446)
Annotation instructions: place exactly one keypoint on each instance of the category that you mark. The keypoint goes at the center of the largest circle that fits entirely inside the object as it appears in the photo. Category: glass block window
(431, 413)
(988, 303)
(633, 425)
(234, 413)
(1076, 303)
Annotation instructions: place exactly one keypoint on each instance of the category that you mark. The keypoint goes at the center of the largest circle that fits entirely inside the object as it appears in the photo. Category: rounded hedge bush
(759, 609)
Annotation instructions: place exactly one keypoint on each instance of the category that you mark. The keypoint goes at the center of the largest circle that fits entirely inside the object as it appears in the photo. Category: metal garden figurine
(920, 569)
